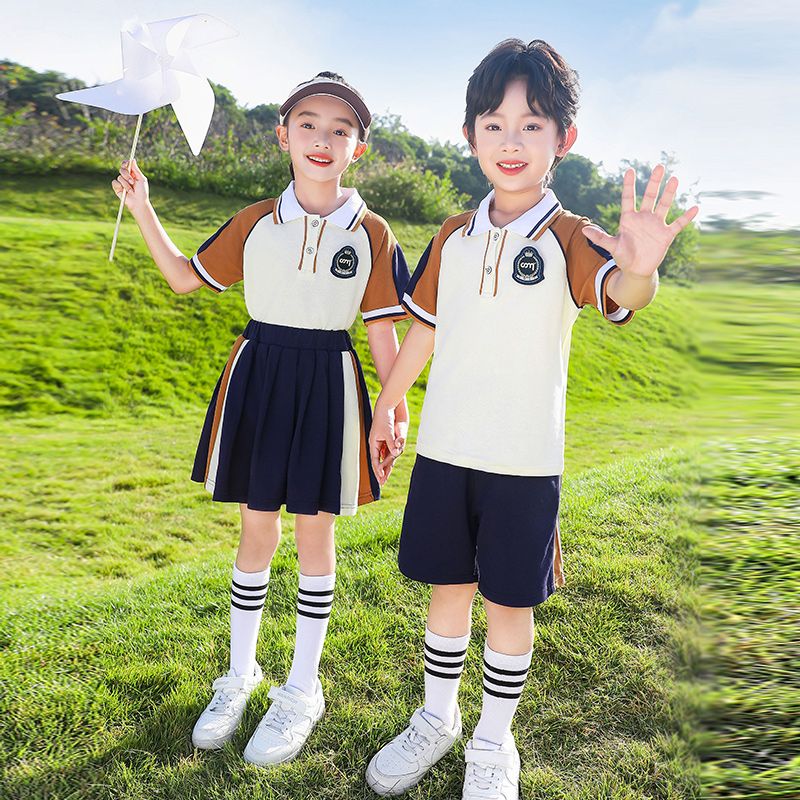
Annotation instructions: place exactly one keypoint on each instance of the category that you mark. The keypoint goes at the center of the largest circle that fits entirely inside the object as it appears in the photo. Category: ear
(282, 132)
(361, 148)
(466, 136)
(567, 141)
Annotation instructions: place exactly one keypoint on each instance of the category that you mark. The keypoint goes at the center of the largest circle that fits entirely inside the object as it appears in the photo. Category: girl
(289, 418)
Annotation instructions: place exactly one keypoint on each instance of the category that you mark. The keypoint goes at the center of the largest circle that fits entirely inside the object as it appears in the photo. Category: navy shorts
(464, 525)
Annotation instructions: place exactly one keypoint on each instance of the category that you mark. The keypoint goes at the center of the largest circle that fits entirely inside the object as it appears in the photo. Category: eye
(340, 132)
(492, 126)
(532, 127)
(306, 125)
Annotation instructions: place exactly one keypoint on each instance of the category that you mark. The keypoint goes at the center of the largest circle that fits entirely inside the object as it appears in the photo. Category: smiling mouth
(320, 161)
(511, 167)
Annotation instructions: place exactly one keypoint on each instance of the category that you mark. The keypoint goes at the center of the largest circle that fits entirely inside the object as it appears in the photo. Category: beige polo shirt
(503, 302)
(304, 270)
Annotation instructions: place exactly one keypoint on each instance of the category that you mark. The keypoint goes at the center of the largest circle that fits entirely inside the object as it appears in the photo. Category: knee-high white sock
(248, 590)
(314, 602)
(444, 663)
(503, 680)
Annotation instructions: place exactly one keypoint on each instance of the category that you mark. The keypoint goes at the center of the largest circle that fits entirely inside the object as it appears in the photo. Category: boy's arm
(643, 239)
(414, 354)
(174, 266)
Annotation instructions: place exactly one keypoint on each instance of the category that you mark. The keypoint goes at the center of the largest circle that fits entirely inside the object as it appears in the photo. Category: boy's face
(516, 146)
(322, 137)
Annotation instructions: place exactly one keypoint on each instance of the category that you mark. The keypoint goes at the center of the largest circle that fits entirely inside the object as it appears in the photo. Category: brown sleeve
(423, 288)
(589, 269)
(388, 276)
(219, 261)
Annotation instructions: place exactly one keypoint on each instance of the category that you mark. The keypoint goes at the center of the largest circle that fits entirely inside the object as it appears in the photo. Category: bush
(409, 193)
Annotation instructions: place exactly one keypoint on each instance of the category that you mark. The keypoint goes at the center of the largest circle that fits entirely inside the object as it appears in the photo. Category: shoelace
(278, 717)
(414, 740)
(223, 700)
(226, 689)
(484, 777)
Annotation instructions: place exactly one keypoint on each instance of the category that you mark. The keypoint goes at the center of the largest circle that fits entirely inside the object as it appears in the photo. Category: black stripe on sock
(489, 678)
(452, 654)
(429, 660)
(505, 671)
(314, 605)
(246, 608)
(441, 674)
(315, 594)
(501, 694)
(313, 616)
(248, 597)
(250, 588)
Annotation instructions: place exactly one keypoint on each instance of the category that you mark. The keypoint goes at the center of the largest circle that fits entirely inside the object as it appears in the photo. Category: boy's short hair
(552, 84)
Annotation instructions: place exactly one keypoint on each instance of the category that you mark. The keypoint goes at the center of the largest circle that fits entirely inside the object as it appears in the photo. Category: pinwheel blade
(194, 108)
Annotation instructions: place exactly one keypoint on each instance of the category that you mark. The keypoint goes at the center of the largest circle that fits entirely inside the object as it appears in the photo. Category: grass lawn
(662, 670)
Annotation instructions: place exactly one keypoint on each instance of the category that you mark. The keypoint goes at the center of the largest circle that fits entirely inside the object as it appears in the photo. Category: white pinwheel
(158, 69)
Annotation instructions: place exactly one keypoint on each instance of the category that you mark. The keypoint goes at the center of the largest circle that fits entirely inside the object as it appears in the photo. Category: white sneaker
(285, 727)
(402, 763)
(222, 715)
(491, 774)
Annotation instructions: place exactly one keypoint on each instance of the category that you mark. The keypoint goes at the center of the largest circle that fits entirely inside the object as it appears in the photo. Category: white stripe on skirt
(213, 464)
(351, 439)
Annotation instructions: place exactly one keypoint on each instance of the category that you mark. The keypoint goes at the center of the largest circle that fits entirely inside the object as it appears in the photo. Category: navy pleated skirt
(288, 424)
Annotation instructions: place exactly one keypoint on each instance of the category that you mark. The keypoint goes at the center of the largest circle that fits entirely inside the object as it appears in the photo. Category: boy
(494, 298)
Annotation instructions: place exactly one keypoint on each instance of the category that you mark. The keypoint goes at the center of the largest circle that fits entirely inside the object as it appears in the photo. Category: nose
(322, 140)
(511, 144)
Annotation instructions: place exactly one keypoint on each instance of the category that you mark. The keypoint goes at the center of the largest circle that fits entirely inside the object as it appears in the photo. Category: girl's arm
(411, 360)
(173, 264)
(383, 345)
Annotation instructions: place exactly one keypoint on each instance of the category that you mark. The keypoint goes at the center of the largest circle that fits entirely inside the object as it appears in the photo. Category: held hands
(133, 179)
(387, 438)
(644, 235)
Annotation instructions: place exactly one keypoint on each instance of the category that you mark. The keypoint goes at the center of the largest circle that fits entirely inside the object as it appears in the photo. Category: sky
(714, 83)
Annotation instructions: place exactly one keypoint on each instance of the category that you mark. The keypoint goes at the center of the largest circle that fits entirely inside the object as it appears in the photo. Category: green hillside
(85, 336)
(678, 506)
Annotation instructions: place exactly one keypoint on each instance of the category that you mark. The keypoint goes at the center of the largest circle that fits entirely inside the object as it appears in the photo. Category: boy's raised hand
(644, 235)
(133, 179)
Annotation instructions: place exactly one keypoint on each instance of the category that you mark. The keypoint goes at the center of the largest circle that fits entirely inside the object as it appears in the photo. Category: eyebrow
(532, 112)
(335, 119)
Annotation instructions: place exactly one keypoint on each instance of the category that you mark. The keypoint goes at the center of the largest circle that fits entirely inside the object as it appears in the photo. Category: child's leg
(316, 552)
(446, 639)
(261, 531)
(507, 657)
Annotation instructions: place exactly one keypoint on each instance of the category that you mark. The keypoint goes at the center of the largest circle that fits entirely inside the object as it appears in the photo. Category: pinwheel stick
(125, 191)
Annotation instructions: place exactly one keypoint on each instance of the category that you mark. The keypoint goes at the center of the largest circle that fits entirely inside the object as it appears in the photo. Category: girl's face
(322, 138)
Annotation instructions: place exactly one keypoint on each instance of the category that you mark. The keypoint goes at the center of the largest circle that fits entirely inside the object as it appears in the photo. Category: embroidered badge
(344, 263)
(529, 267)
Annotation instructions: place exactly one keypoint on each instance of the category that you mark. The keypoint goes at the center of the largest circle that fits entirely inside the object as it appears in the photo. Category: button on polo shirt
(502, 302)
(304, 270)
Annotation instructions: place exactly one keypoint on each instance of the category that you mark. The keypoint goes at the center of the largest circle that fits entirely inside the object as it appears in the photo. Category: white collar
(530, 224)
(347, 216)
